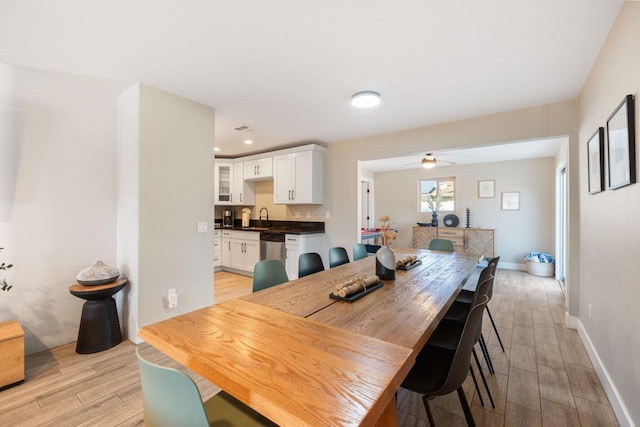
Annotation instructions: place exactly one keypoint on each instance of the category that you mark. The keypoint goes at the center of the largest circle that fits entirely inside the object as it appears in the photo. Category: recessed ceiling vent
(242, 128)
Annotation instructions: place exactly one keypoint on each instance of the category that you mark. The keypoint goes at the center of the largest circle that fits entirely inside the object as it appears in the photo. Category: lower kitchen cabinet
(217, 249)
(242, 250)
(474, 242)
(297, 244)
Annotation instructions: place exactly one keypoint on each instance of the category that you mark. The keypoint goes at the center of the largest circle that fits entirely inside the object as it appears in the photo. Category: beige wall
(341, 167)
(517, 232)
(175, 142)
(610, 233)
(57, 198)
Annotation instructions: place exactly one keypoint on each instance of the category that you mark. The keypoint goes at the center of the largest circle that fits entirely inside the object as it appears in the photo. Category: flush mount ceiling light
(365, 99)
(248, 141)
(216, 149)
(429, 161)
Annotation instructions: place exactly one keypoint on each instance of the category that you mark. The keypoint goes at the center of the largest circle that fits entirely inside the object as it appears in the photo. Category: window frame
(438, 180)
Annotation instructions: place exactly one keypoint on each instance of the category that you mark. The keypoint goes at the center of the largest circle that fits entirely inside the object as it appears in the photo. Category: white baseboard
(571, 321)
(610, 389)
(513, 266)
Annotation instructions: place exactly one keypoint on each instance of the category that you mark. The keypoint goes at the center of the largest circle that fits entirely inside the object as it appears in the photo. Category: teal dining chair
(359, 251)
(441, 245)
(267, 273)
(309, 263)
(171, 398)
(338, 256)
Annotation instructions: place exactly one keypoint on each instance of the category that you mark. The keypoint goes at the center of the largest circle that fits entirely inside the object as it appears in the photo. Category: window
(437, 191)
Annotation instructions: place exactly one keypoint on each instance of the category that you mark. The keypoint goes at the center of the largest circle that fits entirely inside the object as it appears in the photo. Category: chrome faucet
(266, 219)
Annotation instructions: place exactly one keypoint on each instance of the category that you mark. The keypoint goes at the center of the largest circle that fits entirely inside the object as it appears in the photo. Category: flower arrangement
(386, 233)
(434, 201)
(4, 286)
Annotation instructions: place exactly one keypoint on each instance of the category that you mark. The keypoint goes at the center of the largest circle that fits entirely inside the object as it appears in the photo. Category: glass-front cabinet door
(223, 183)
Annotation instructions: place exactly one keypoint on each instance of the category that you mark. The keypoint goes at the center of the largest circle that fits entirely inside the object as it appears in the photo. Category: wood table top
(301, 358)
(295, 371)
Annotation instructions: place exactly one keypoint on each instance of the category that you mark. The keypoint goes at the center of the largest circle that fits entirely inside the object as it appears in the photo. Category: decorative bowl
(424, 224)
(98, 274)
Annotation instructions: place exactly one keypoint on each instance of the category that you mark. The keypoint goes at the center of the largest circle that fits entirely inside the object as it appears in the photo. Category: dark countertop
(283, 227)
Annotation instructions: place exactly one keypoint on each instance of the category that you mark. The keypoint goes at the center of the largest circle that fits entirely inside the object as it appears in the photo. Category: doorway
(561, 226)
(366, 203)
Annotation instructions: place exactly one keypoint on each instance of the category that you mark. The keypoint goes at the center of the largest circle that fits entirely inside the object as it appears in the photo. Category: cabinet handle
(258, 170)
(240, 197)
(231, 197)
(229, 244)
(293, 194)
(254, 170)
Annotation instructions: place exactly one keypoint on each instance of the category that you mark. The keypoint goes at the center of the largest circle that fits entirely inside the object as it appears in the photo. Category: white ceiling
(493, 153)
(287, 68)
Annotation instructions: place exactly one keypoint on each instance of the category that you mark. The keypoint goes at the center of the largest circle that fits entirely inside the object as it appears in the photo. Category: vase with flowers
(434, 201)
(385, 258)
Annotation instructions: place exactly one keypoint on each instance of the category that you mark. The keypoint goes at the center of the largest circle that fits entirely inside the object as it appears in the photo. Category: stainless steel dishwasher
(272, 246)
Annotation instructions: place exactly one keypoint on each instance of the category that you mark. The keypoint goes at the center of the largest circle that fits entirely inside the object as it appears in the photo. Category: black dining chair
(448, 332)
(309, 263)
(466, 296)
(438, 371)
(338, 256)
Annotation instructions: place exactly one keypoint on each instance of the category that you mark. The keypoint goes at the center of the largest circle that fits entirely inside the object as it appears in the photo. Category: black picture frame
(621, 145)
(595, 162)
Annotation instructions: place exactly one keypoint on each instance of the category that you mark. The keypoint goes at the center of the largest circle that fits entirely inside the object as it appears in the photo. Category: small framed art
(511, 201)
(486, 188)
(621, 145)
(595, 161)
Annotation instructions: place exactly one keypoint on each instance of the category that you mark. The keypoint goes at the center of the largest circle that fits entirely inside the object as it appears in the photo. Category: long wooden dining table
(301, 358)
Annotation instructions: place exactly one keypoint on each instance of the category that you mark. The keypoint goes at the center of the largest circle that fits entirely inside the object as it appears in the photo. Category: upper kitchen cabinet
(230, 185)
(298, 177)
(244, 192)
(258, 169)
(223, 178)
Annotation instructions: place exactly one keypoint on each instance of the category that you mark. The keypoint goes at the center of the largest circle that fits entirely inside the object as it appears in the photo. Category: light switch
(203, 226)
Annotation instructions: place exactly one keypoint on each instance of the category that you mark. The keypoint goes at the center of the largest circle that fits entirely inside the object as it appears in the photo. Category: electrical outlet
(203, 227)
(308, 214)
(327, 214)
(172, 297)
(297, 214)
(589, 311)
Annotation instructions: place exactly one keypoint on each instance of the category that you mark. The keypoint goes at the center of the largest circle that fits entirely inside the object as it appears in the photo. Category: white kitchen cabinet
(245, 250)
(225, 250)
(244, 192)
(217, 249)
(230, 187)
(259, 169)
(298, 178)
(223, 183)
(297, 244)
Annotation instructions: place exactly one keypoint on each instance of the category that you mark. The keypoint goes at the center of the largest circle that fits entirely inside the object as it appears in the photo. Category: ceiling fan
(429, 161)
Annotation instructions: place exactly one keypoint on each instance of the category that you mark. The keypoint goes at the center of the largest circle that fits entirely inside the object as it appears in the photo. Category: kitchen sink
(257, 228)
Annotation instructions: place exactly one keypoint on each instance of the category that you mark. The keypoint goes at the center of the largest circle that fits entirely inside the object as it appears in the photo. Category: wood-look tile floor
(544, 377)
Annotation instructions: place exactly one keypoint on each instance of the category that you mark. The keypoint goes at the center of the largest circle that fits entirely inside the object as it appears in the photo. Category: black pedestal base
(99, 326)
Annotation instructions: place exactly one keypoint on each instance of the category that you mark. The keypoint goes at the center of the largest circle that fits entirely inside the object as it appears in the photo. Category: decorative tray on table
(357, 295)
(406, 267)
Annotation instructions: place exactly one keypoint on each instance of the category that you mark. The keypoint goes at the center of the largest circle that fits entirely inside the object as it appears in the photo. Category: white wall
(175, 178)
(57, 198)
(517, 232)
(609, 230)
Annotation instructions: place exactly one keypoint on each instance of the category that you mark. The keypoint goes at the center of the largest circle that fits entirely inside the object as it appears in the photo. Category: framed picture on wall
(595, 161)
(621, 145)
(511, 201)
(486, 188)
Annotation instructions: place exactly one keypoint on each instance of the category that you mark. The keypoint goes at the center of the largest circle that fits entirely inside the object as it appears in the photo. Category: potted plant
(4, 285)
